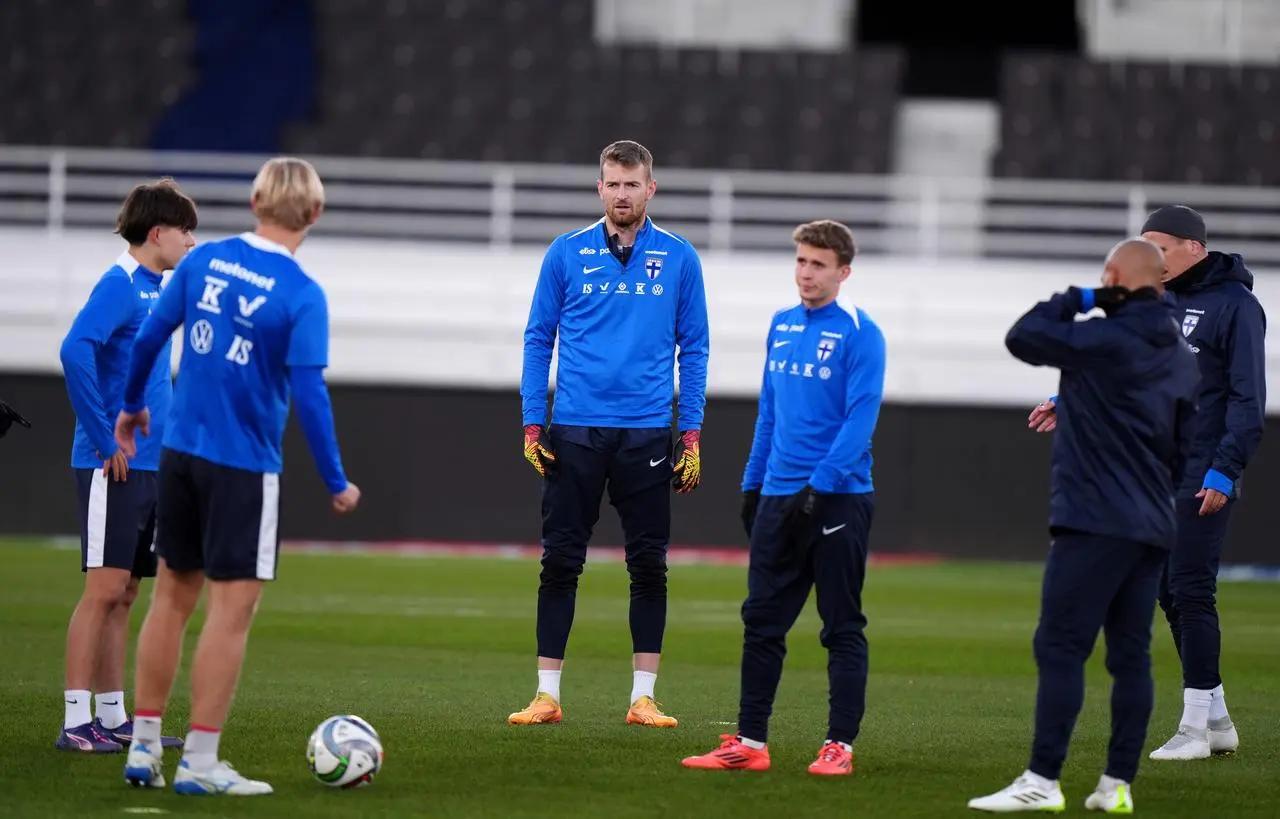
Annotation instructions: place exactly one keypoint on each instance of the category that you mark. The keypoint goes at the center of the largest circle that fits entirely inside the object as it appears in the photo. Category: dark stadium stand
(1068, 117)
(501, 81)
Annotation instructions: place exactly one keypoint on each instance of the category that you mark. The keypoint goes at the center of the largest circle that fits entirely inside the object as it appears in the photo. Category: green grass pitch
(436, 652)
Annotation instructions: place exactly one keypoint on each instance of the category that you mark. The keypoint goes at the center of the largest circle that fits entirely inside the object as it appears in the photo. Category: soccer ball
(344, 752)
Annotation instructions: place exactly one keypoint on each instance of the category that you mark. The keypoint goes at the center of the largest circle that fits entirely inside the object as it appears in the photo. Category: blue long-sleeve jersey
(619, 327)
(256, 329)
(95, 355)
(819, 403)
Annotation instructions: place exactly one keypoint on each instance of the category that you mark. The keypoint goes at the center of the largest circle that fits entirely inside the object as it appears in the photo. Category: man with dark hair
(622, 295)
(808, 501)
(1226, 327)
(117, 499)
(1128, 385)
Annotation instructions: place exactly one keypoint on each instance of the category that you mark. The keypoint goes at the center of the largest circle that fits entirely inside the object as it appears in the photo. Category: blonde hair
(288, 193)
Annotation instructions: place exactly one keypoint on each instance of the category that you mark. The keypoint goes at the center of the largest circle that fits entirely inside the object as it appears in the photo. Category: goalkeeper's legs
(779, 577)
(840, 565)
(570, 508)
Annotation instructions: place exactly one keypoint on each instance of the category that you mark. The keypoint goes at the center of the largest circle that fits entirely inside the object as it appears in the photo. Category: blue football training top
(249, 315)
(823, 385)
(619, 327)
(95, 358)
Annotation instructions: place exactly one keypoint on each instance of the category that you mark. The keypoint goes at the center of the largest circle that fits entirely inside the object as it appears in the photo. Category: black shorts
(217, 519)
(117, 521)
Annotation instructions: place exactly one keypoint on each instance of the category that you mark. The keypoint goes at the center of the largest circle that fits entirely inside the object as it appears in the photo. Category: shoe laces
(831, 752)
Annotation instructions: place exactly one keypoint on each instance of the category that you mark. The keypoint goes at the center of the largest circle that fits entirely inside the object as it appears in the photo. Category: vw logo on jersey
(652, 268)
(202, 337)
(825, 348)
(1189, 323)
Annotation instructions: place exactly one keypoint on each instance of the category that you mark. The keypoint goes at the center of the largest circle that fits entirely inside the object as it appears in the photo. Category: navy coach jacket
(1127, 389)
(1225, 326)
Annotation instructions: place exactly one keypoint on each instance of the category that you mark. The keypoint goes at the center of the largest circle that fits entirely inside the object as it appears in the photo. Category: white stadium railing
(508, 205)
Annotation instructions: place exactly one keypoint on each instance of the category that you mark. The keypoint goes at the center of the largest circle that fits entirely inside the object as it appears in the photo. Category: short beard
(637, 215)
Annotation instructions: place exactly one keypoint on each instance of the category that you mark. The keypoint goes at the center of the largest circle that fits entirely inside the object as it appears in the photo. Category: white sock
(77, 712)
(751, 743)
(200, 751)
(844, 745)
(110, 709)
(642, 683)
(1218, 705)
(549, 683)
(1195, 708)
(146, 730)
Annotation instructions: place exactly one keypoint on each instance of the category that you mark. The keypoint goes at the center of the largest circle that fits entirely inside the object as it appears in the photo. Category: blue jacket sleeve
(693, 336)
(762, 440)
(864, 392)
(1246, 391)
(1049, 336)
(110, 306)
(540, 335)
(315, 415)
(156, 329)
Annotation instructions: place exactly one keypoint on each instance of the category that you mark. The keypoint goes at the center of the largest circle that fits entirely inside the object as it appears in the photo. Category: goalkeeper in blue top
(808, 501)
(622, 295)
(256, 336)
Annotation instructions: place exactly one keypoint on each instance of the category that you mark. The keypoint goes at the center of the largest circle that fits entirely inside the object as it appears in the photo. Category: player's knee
(1052, 647)
(760, 619)
(105, 588)
(1129, 663)
(561, 567)
(648, 570)
(130, 593)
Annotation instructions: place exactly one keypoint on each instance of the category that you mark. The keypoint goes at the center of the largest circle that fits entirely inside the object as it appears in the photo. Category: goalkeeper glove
(537, 449)
(687, 462)
(802, 510)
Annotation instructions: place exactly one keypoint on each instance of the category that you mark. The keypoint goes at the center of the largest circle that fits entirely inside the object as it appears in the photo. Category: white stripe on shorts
(267, 525)
(96, 521)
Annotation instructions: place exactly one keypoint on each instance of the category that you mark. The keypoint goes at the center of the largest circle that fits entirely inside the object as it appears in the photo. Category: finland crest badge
(825, 348)
(1189, 322)
(652, 267)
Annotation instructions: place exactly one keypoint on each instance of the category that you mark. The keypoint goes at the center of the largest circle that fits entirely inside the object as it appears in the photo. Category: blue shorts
(216, 519)
(117, 521)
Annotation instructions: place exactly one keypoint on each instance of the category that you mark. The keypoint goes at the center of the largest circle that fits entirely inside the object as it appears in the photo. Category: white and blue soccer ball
(344, 752)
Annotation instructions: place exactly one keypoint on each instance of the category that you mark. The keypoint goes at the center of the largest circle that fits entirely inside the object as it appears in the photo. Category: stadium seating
(499, 81)
(76, 83)
(1067, 117)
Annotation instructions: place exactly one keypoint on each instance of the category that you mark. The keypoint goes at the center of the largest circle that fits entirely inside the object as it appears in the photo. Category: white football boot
(1188, 744)
(1223, 738)
(1027, 793)
(1112, 796)
(142, 766)
(216, 781)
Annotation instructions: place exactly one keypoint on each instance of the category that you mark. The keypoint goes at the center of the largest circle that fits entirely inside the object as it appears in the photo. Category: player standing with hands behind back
(257, 331)
(808, 501)
(622, 295)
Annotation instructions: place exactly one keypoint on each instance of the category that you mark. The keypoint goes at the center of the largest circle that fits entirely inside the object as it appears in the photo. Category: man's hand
(1044, 418)
(1213, 501)
(537, 449)
(347, 500)
(687, 462)
(116, 467)
(126, 424)
(802, 508)
(1110, 298)
(1215, 491)
(750, 500)
(8, 417)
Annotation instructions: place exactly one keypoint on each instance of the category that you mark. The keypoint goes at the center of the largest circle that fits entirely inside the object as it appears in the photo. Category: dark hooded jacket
(1127, 389)
(1226, 326)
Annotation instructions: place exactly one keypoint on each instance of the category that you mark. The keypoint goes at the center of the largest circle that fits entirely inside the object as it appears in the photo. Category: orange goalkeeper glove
(537, 449)
(688, 462)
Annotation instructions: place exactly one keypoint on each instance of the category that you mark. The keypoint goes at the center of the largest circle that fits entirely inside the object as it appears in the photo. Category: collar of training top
(823, 311)
(1191, 276)
(622, 254)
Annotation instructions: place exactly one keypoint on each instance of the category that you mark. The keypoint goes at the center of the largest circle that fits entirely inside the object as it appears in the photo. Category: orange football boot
(543, 710)
(644, 711)
(732, 755)
(833, 760)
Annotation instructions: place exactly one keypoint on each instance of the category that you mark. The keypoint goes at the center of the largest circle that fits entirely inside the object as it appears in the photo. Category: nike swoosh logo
(117, 702)
(827, 531)
(655, 463)
(586, 269)
(778, 344)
